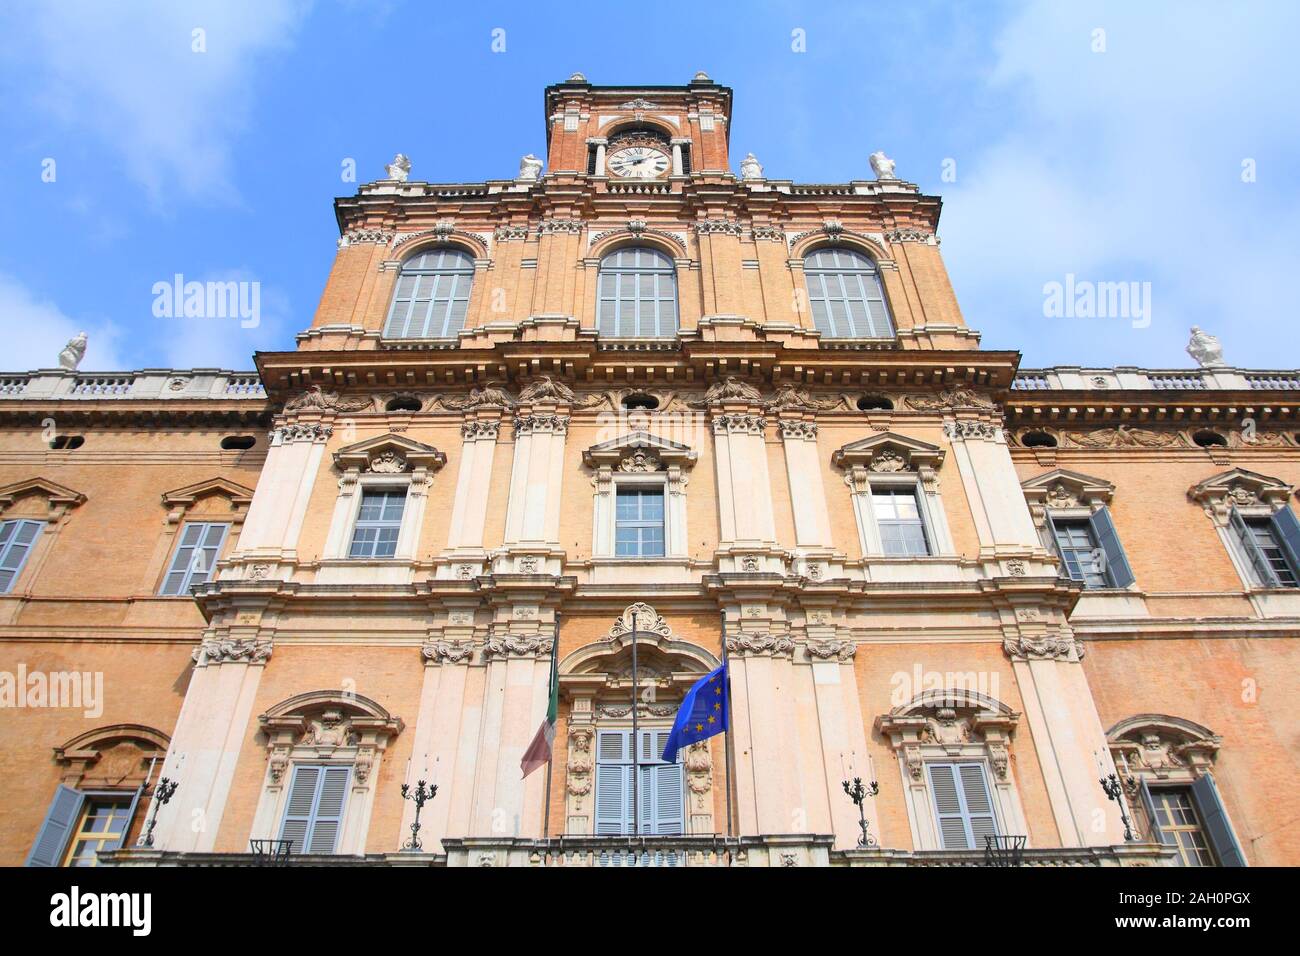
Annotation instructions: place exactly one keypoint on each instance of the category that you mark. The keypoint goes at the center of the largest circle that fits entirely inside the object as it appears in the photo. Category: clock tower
(637, 133)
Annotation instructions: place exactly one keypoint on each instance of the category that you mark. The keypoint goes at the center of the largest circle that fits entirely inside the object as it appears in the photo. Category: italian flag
(538, 753)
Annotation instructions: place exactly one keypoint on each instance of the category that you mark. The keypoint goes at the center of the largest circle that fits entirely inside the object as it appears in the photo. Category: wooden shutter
(1287, 529)
(1118, 571)
(953, 834)
(660, 789)
(979, 803)
(1218, 829)
(328, 818)
(130, 818)
(1263, 572)
(1149, 807)
(16, 539)
(613, 782)
(297, 815)
(963, 805)
(60, 818)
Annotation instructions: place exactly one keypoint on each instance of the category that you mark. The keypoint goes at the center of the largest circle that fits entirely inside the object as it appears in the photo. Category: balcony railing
(657, 851)
(49, 385)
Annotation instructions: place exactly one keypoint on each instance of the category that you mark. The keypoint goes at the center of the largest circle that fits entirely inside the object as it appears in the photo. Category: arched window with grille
(846, 296)
(432, 296)
(637, 294)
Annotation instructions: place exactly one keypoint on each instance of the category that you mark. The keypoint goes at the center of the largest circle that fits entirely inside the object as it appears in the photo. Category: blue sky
(1122, 164)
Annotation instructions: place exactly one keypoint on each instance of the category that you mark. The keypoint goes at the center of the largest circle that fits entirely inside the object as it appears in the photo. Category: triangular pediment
(223, 487)
(389, 454)
(638, 451)
(1063, 488)
(887, 452)
(58, 496)
(1243, 487)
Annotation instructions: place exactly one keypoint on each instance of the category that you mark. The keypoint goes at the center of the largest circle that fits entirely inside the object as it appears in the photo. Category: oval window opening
(67, 442)
(875, 403)
(1038, 440)
(403, 403)
(1209, 439)
(640, 401)
(238, 442)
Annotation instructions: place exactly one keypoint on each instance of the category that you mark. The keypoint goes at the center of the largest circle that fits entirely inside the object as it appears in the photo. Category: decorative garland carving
(1049, 647)
(768, 644)
(249, 650)
(828, 650)
(447, 652)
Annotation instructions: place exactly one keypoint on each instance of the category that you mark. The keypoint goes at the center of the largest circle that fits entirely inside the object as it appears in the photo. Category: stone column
(745, 513)
(473, 483)
(997, 502)
(536, 477)
(283, 491)
(210, 731)
(812, 524)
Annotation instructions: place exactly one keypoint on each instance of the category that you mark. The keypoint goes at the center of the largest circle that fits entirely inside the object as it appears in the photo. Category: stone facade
(767, 441)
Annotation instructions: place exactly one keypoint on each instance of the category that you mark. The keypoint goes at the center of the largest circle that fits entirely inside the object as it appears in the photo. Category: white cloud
(225, 342)
(34, 331)
(1126, 166)
(129, 74)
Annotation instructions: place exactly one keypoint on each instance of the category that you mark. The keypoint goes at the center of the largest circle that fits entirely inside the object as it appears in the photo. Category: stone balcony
(780, 850)
(59, 385)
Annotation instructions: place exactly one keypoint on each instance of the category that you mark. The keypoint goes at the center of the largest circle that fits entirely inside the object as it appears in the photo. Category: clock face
(638, 162)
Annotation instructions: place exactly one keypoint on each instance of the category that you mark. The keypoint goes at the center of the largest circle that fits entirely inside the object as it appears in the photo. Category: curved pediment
(389, 454)
(639, 451)
(888, 452)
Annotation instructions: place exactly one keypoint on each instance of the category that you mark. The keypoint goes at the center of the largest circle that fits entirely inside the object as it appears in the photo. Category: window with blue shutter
(197, 550)
(1090, 551)
(1214, 818)
(60, 818)
(1272, 546)
(637, 294)
(313, 818)
(845, 294)
(963, 805)
(16, 540)
(659, 787)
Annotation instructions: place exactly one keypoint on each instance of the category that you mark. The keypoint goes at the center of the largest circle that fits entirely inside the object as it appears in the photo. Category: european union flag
(703, 713)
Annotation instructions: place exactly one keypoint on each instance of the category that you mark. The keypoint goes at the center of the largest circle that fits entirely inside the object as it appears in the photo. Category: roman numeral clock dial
(638, 162)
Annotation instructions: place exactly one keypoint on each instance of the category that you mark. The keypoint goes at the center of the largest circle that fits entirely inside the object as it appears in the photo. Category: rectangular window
(103, 825)
(1176, 816)
(197, 550)
(962, 804)
(639, 522)
(898, 516)
(1264, 542)
(1083, 559)
(379, 519)
(16, 539)
(659, 786)
(314, 817)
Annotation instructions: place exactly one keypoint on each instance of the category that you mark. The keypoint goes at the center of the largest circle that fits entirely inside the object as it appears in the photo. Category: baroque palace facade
(743, 411)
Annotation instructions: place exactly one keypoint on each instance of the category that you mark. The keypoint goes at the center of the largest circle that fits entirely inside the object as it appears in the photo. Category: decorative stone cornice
(887, 452)
(790, 398)
(648, 620)
(249, 650)
(639, 451)
(553, 226)
(510, 233)
(767, 645)
(488, 396)
(730, 389)
(909, 235)
(723, 226)
(389, 454)
(518, 647)
(354, 236)
(1049, 647)
(1062, 488)
(539, 424)
(59, 500)
(447, 652)
(1239, 488)
(831, 650)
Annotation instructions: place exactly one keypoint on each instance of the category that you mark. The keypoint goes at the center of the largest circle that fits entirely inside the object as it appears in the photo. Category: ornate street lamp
(1111, 786)
(162, 795)
(1002, 850)
(858, 794)
(271, 852)
(421, 795)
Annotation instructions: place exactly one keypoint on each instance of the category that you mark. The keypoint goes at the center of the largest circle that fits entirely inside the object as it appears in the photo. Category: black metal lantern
(858, 793)
(421, 795)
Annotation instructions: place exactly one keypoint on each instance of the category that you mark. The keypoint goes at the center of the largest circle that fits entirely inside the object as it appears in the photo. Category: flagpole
(550, 762)
(636, 743)
(727, 670)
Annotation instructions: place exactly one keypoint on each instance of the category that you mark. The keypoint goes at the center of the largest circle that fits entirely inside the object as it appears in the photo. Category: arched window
(432, 295)
(637, 294)
(847, 299)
